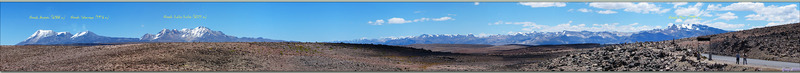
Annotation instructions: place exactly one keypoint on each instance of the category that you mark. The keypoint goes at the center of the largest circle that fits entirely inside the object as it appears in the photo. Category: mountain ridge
(204, 34)
(199, 34)
(674, 31)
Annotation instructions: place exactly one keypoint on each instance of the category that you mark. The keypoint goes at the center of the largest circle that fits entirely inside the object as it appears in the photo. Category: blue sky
(329, 21)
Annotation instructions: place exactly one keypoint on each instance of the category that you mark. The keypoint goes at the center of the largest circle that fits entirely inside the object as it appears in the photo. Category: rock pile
(644, 56)
(770, 43)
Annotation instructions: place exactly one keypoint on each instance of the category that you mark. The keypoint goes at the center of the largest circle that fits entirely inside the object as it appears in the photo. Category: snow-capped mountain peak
(186, 34)
(84, 33)
(48, 33)
(41, 36)
(688, 26)
(64, 33)
(196, 32)
(42, 33)
(199, 34)
(558, 37)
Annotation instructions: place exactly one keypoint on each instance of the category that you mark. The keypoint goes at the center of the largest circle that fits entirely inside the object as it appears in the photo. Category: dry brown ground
(247, 56)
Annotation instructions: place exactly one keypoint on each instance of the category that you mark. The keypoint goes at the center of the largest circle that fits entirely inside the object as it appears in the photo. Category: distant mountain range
(199, 34)
(675, 31)
(203, 34)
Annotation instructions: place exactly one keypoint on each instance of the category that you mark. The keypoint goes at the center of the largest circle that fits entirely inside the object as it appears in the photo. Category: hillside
(779, 43)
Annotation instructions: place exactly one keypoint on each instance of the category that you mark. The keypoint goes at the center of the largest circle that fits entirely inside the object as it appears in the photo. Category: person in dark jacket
(737, 58)
(744, 59)
(710, 58)
(697, 55)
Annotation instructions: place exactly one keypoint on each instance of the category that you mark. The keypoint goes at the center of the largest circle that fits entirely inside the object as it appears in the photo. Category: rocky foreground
(644, 56)
(778, 43)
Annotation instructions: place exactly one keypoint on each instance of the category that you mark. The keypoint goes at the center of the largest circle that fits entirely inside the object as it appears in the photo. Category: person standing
(697, 53)
(744, 59)
(710, 58)
(737, 58)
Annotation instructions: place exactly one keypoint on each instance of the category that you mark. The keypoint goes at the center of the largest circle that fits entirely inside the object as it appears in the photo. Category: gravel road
(758, 62)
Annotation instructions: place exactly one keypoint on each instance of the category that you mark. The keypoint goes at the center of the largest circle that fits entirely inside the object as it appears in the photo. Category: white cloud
(676, 4)
(642, 7)
(694, 10)
(477, 3)
(741, 6)
(524, 24)
(678, 20)
(601, 12)
(417, 11)
(692, 21)
(721, 25)
(773, 14)
(769, 24)
(724, 25)
(421, 19)
(777, 23)
(713, 7)
(686, 11)
(787, 13)
(451, 14)
(396, 20)
(377, 22)
(544, 4)
(530, 26)
(727, 16)
(443, 19)
(584, 10)
(607, 12)
(773, 24)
